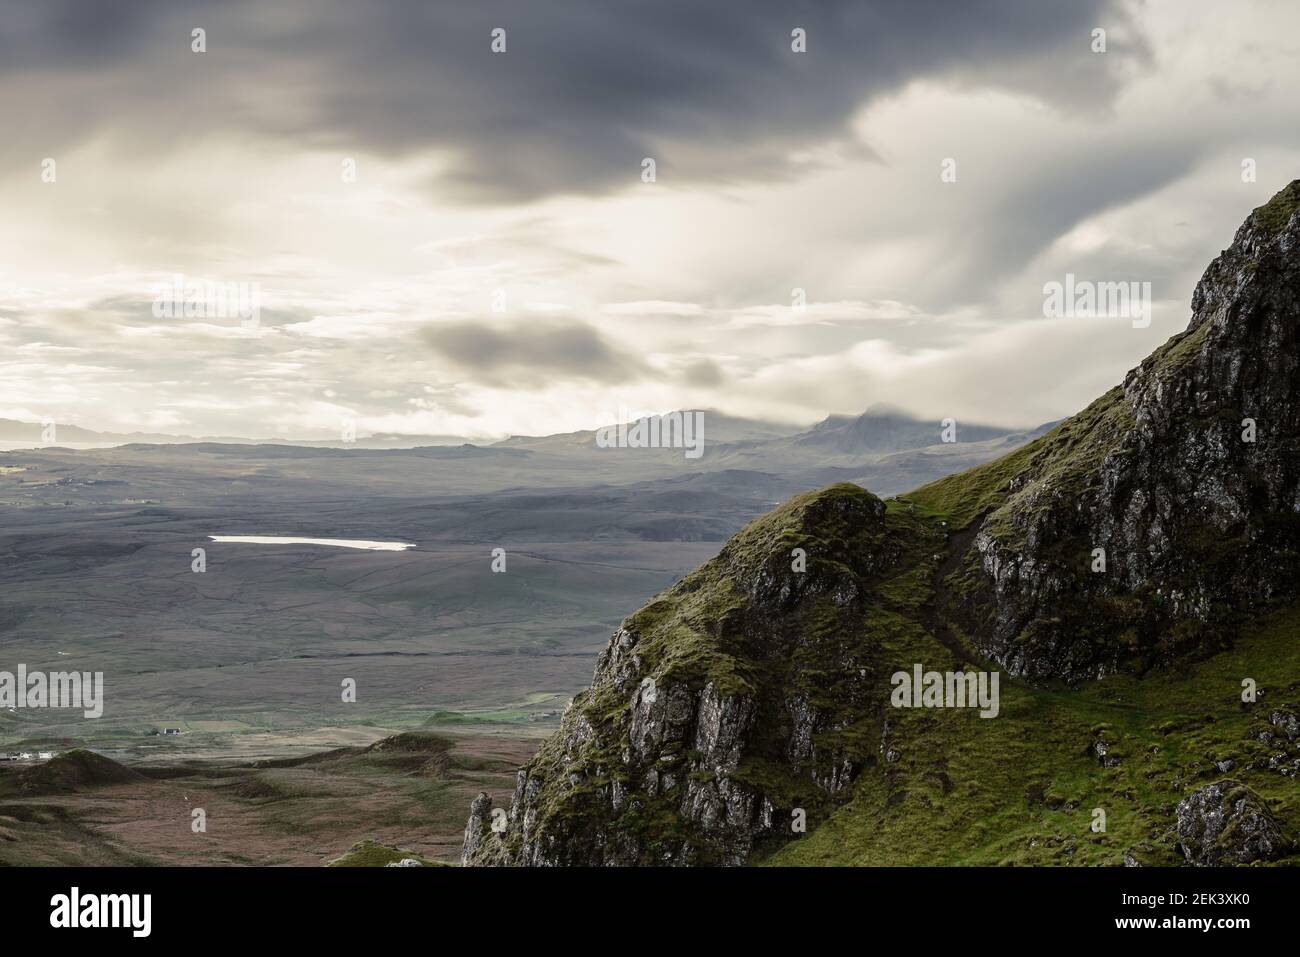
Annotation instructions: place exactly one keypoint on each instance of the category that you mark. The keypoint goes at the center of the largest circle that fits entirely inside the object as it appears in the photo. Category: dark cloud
(531, 352)
(583, 92)
(703, 373)
(1036, 204)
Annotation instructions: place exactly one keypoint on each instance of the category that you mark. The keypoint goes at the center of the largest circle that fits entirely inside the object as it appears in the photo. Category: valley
(208, 584)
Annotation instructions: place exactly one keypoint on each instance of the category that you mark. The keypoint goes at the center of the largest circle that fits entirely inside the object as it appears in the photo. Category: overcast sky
(500, 266)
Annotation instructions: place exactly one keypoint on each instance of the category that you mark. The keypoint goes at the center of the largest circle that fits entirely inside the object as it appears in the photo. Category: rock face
(1227, 823)
(748, 698)
(1187, 477)
(1286, 722)
(745, 694)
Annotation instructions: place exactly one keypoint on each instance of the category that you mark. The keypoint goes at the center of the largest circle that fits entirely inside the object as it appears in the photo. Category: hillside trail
(933, 616)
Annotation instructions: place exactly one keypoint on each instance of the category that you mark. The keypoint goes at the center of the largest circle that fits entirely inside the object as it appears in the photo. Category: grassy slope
(681, 641)
(1063, 459)
(375, 854)
(1021, 790)
(1274, 215)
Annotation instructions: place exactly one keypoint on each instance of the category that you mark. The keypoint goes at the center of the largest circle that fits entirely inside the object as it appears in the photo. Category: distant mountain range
(882, 449)
(845, 439)
(15, 433)
(719, 428)
(881, 429)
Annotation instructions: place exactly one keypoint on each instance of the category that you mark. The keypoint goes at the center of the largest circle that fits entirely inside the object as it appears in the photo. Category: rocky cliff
(750, 703)
(742, 693)
(1184, 482)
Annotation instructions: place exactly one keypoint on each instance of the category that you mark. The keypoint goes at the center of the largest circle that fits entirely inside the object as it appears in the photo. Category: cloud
(581, 94)
(703, 373)
(778, 171)
(659, 308)
(526, 353)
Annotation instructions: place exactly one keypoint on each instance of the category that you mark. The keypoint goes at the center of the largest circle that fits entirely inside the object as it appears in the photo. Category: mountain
(1187, 476)
(32, 434)
(882, 430)
(719, 428)
(889, 449)
(728, 442)
(1130, 576)
(18, 434)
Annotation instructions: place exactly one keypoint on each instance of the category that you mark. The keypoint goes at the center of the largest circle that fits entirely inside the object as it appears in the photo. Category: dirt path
(934, 616)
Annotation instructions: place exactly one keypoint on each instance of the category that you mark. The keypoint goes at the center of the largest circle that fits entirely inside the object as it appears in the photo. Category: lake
(334, 542)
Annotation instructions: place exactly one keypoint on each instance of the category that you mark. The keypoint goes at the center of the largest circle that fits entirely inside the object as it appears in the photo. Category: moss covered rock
(1136, 533)
(1228, 823)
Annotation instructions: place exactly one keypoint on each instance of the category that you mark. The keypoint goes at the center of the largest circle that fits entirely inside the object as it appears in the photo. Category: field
(408, 792)
(272, 652)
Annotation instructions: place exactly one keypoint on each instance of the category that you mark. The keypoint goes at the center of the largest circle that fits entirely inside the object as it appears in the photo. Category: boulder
(1227, 823)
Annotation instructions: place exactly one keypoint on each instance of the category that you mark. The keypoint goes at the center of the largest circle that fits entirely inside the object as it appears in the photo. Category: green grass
(1059, 464)
(374, 854)
(962, 498)
(1020, 789)
(1273, 216)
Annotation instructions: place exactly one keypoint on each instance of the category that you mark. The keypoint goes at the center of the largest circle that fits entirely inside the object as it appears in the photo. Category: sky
(446, 238)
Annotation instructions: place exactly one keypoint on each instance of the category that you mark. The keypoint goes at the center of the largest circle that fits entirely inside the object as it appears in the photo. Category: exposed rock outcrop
(1186, 477)
(1286, 722)
(747, 690)
(1228, 823)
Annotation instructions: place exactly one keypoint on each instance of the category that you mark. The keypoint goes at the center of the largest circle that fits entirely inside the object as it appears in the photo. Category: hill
(1130, 576)
(71, 771)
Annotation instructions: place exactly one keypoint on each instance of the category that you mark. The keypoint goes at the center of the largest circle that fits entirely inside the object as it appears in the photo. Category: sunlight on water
(337, 542)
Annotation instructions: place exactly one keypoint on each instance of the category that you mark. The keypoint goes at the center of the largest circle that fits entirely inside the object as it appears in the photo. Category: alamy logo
(1087, 299)
(180, 299)
(103, 910)
(673, 430)
(946, 689)
(58, 689)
